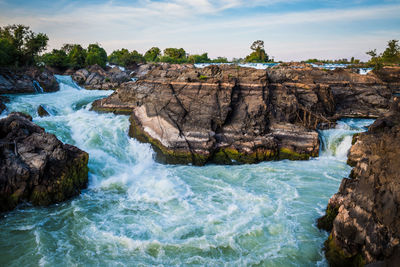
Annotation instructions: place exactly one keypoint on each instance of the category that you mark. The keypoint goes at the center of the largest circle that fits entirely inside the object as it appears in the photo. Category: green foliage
(174, 55)
(391, 55)
(203, 58)
(20, 46)
(220, 60)
(392, 52)
(76, 55)
(124, 58)
(153, 54)
(57, 59)
(7, 52)
(96, 55)
(258, 55)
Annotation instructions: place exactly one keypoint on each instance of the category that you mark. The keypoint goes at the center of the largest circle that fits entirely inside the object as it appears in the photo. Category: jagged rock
(366, 227)
(42, 112)
(222, 114)
(391, 75)
(355, 95)
(95, 77)
(22, 80)
(35, 166)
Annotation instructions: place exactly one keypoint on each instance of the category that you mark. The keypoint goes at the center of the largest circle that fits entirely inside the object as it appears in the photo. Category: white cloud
(198, 25)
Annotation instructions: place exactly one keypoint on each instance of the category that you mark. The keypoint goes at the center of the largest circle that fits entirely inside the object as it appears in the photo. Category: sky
(291, 29)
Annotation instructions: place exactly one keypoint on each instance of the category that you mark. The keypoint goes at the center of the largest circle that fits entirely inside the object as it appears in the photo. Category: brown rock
(367, 226)
(35, 166)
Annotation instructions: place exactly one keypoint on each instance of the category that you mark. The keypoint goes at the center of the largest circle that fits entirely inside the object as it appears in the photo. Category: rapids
(137, 212)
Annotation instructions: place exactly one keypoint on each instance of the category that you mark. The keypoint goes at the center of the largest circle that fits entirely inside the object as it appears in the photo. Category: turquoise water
(137, 212)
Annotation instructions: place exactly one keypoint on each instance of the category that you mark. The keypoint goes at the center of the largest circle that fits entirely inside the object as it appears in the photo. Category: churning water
(137, 212)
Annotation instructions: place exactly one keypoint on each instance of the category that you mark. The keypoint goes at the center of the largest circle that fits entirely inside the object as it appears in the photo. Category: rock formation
(35, 166)
(27, 80)
(390, 75)
(95, 77)
(364, 216)
(227, 114)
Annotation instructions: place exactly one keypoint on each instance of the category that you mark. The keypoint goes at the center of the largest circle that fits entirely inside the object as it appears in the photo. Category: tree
(96, 55)
(258, 55)
(392, 52)
(7, 52)
(76, 55)
(20, 46)
(124, 58)
(203, 58)
(153, 54)
(174, 55)
(57, 59)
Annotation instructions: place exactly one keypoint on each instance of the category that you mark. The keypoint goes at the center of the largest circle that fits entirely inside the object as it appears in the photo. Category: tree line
(19, 47)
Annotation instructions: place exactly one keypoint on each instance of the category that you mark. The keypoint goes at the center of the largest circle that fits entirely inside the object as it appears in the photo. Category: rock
(355, 95)
(365, 228)
(95, 77)
(22, 80)
(222, 114)
(42, 112)
(2, 105)
(35, 166)
(390, 75)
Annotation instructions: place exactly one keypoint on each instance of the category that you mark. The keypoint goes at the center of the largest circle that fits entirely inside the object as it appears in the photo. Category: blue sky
(291, 29)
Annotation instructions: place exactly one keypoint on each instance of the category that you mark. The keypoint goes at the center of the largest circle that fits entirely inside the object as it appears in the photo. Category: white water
(139, 212)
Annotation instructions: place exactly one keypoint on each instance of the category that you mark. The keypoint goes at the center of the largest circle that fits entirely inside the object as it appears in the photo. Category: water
(137, 212)
(37, 87)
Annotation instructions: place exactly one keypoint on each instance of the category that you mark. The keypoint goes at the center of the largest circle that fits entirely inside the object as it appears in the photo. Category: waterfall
(38, 88)
(337, 142)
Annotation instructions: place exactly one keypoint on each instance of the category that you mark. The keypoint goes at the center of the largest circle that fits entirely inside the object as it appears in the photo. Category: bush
(124, 58)
(153, 54)
(96, 55)
(57, 59)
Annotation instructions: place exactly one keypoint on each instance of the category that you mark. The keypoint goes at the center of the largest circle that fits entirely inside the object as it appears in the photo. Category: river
(137, 212)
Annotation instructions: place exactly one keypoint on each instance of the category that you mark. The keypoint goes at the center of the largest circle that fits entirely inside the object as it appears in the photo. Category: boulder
(363, 216)
(95, 77)
(35, 166)
(42, 112)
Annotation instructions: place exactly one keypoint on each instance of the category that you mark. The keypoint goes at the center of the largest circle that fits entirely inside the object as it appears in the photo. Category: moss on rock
(338, 257)
(326, 221)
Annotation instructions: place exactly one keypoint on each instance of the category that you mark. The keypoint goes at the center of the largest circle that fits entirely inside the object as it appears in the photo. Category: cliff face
(364, 216)
(228, 114)
(35, 166)
(390, 75)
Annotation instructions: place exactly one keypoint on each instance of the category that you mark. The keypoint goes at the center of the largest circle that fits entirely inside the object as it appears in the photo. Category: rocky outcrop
(390, 75)
(363, 216)
(35, 166)
(355, 95)
(27, 80)
(227, 114)
(221, 114)
(95, 77)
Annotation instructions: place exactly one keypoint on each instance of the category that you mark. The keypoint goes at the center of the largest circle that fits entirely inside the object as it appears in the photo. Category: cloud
(197, 25)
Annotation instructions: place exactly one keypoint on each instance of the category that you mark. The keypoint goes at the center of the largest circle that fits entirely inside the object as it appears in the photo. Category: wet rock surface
(35, 166)
(365, 225)
(26, 80)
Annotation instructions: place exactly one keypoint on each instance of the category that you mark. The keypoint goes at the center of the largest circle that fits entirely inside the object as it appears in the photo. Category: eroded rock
(367, 226)
(35, 166)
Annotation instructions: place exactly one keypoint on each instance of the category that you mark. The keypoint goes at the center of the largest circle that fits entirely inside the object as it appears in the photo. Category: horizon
(292, 30)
